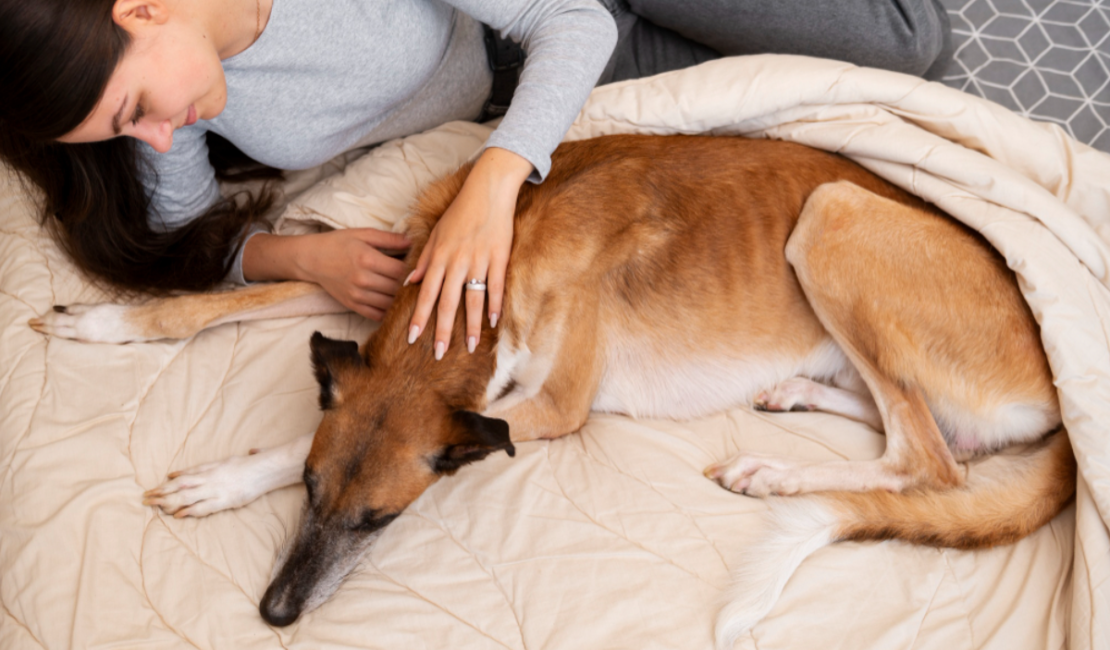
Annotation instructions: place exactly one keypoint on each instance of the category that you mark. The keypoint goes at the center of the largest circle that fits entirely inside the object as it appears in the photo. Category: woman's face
(169, 77)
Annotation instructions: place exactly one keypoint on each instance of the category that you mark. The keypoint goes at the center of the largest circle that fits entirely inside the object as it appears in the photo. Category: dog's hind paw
(795, 394)
(756, 475)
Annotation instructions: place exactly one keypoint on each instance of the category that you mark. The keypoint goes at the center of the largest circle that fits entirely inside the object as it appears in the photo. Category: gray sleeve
(181, 181)
(235, 274)
(183, 185)
(568, 43)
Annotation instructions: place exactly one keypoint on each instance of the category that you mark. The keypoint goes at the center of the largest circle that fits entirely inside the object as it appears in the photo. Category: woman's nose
(159, 135)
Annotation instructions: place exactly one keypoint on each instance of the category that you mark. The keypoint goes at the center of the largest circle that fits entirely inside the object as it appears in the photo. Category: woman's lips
(191, 117)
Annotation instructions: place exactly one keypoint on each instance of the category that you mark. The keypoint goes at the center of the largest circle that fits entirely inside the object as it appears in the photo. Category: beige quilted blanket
(608, 538)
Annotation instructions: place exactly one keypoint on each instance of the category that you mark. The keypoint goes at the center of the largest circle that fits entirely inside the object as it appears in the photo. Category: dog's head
(385, 437)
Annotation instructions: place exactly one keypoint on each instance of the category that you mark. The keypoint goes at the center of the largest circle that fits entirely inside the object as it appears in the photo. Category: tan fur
(1006, 497)
(641, 258)
(949, 319)
(679, 242)
(180, 317)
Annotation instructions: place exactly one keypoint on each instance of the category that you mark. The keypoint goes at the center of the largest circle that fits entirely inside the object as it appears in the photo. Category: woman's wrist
(274, 257)
(505, 170)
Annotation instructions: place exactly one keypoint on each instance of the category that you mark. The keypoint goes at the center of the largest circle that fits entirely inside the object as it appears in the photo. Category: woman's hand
(471, 240)
(348, 264)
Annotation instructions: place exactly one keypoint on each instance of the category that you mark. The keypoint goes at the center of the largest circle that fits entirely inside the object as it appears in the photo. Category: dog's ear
(476, 437)
(329, 358)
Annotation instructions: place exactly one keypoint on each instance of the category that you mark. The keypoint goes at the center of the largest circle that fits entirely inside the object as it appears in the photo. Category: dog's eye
(309, 483)
(372, 521)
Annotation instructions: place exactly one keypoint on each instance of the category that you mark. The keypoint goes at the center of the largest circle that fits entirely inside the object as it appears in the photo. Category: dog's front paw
(756, 475)
(105, 323)
(203, 490)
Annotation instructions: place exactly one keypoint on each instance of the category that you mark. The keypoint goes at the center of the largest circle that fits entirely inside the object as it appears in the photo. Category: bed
(1045, 59)
(603, 539)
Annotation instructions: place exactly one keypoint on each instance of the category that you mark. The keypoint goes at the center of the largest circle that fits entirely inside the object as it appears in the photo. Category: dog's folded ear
(476, 437)
(329, 358)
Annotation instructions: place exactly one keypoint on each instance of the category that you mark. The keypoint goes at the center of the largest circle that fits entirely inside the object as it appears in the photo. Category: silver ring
(475, 285)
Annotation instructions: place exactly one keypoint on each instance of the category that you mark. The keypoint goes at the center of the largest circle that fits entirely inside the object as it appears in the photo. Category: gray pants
(911, 36)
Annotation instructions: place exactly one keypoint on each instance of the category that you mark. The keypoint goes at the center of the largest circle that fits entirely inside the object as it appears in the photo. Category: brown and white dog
(673, 277)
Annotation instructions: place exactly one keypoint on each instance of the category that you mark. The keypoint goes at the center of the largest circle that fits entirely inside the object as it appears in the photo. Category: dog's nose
(277, 608)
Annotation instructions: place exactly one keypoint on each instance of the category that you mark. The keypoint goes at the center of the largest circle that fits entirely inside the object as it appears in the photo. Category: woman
(292, 83)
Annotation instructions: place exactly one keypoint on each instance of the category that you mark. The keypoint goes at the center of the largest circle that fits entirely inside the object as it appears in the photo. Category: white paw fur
(104, 323)
(757, 475)
(794, 394)
(205, 489)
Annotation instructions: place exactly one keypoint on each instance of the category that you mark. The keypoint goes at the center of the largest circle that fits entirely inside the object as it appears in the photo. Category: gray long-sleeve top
(326, 77)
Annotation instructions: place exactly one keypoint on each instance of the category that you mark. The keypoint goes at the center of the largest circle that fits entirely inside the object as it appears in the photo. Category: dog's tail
(1006, 497)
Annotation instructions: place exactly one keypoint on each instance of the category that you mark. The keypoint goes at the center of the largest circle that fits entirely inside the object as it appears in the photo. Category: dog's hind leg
(916, 456)
(927, 314)
(931, 319)
(201, 491)
(180, 317)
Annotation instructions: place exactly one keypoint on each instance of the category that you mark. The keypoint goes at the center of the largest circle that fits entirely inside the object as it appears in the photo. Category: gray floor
(1046, 59)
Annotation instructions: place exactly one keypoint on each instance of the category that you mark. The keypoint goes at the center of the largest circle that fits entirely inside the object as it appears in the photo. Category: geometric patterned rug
(1048, 60)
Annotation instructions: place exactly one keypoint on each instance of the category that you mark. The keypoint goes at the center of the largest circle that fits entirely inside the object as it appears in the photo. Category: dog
(672, 277)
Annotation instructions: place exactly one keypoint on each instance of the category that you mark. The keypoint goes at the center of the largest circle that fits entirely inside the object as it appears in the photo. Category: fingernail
(414, 332)
(471, 343)
(441, 347)
(406, 283)
(493, 320)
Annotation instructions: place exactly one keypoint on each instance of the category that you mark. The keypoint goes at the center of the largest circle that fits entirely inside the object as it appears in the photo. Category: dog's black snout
(278, 609)
(279, 619)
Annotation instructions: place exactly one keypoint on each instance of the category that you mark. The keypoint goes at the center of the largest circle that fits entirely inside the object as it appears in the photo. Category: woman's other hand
(472, 240)
(349, 264)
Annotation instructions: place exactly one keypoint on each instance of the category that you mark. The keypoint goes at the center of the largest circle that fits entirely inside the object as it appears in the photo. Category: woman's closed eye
(137, 115)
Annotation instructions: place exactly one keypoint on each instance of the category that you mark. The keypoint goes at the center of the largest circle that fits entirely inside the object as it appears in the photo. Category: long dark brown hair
(56, 57)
